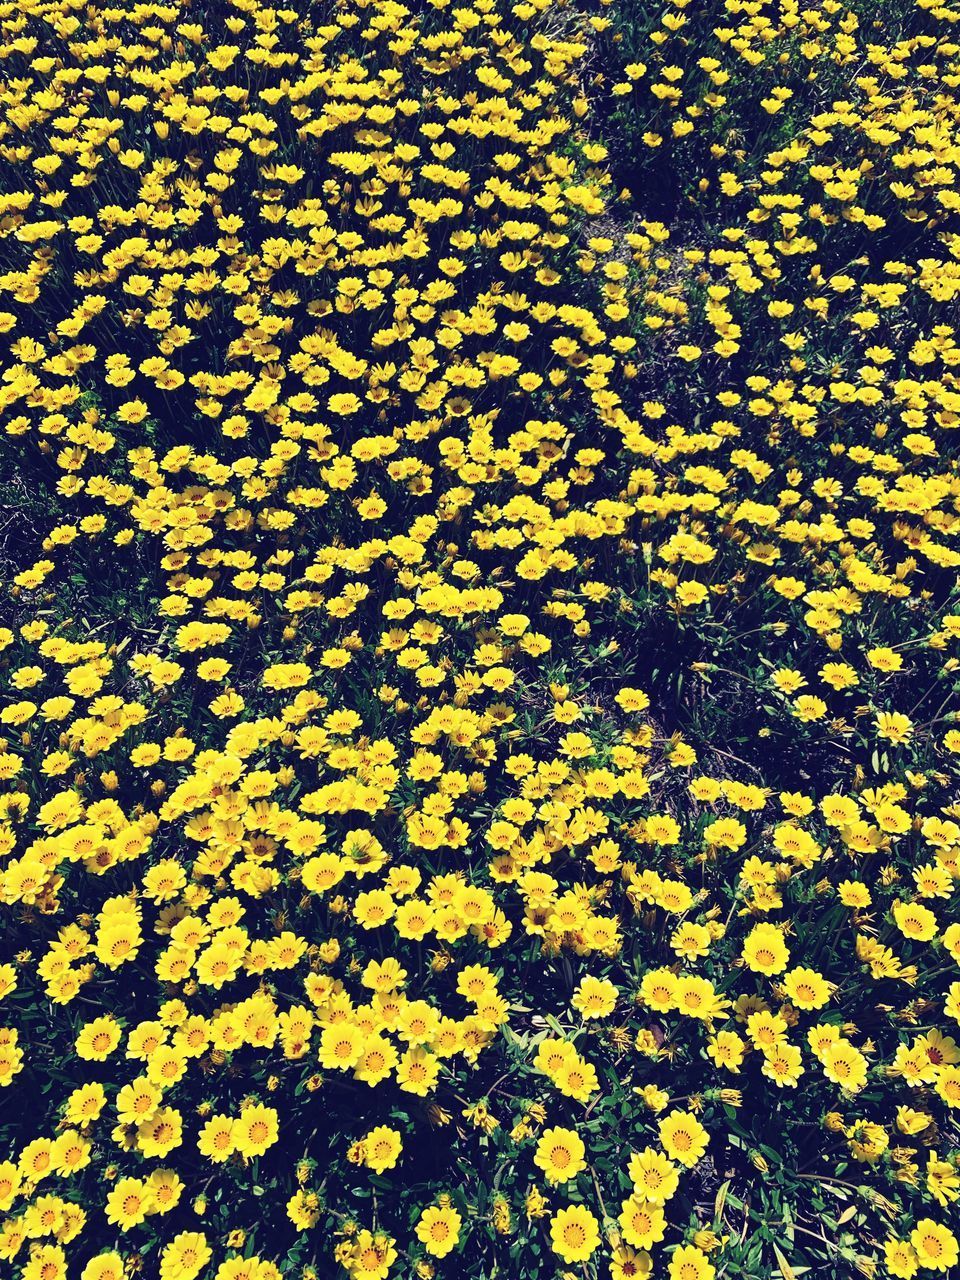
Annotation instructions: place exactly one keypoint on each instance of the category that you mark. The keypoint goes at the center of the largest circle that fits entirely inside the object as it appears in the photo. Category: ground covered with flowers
(481, 639)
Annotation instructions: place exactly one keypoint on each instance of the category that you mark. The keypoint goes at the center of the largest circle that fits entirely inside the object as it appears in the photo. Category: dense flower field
(480, 745)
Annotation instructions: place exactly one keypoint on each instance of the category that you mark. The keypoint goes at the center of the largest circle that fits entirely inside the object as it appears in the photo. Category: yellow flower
(935, 1245)
(642, 1222)
(574, 1234)
(844, 1065)
(900, 1258)
(185, 1256)
(216, 1139)
(915, 921)
(594, 998)
(560, 1154)
(764, 950)
(439, 1230)
(381, 1147)
(98, 1039)
(417, 1071)
(806, 988)
(683, 1136)
(128, 1203)
(690, 1263)
(341, 1046)
(255, 1130)
(654, 1177)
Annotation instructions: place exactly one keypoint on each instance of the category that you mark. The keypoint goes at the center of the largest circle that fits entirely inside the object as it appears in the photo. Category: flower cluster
(480, 738)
